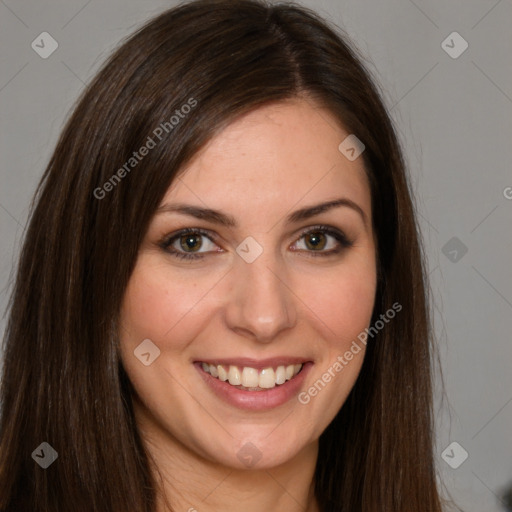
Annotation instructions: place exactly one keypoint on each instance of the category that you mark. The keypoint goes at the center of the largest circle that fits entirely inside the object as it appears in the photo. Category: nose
(261, 305)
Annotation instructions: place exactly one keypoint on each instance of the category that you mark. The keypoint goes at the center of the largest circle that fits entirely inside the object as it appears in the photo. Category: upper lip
(258, 364)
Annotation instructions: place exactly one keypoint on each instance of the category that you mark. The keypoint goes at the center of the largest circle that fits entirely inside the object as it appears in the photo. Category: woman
(221, 302)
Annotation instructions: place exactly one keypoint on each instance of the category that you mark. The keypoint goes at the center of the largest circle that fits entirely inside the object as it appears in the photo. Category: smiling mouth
(247, 378)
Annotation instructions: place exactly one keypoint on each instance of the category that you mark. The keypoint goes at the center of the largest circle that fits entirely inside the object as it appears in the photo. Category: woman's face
(266, 279)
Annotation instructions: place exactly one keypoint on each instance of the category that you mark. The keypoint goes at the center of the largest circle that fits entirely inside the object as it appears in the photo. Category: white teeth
(213, 371)
(223, 374)
(280, 375)
(250, 377)
(267, 378)
(234, 376)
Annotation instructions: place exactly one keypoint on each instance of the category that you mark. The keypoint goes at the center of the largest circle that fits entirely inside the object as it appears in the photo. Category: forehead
(272, 159)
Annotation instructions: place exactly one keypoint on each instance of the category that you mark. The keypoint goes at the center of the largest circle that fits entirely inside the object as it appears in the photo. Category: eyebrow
(224, 219)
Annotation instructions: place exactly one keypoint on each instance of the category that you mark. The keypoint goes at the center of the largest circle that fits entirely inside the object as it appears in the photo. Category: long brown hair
(63, 382)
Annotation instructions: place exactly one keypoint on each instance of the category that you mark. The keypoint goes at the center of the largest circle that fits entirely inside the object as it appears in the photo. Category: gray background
(454, 119)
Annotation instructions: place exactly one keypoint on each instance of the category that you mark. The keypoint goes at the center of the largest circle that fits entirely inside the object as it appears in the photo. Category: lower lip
(256, 400)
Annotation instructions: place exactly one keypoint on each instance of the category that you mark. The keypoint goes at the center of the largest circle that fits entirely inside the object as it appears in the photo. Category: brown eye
(315, 240)
(322, 241)
(191, 242)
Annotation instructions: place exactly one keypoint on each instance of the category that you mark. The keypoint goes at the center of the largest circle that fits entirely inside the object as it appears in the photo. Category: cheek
(156, 302)
(343, 307)
(349, 305)
(161, 306)
(343, 302)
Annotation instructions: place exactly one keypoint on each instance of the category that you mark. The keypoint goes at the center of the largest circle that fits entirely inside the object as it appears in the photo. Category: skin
(262, 167)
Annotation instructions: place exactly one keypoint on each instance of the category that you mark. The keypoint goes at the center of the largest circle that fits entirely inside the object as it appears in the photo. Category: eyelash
(339, 236)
